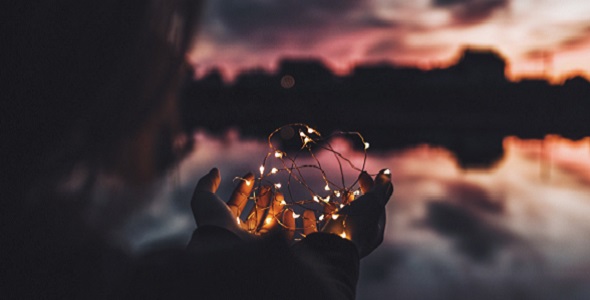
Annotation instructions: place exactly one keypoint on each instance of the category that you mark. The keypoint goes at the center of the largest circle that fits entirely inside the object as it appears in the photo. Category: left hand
(209, 209)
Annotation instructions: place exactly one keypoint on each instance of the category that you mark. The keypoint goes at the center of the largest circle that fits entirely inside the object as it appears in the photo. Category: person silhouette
(94, 95)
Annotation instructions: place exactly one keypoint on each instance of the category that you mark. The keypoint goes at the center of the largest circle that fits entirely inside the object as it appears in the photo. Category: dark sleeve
(334, 259)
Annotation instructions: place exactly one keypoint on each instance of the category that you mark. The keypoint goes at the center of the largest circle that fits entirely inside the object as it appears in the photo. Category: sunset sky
(240, 34)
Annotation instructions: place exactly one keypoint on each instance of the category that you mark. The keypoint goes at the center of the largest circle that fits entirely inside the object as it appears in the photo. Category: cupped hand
(209, 209)
(363, 220)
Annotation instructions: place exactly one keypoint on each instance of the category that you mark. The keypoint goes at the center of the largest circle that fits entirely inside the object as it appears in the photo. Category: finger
(329, 208)
(347, 197)
(259, 210)
(274, 213)
(289, 223)
(383, 185)
(366, 182)
(240, 195)
(309, 222)
(209, 182)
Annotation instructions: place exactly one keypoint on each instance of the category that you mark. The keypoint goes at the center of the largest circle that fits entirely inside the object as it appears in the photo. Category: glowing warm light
(238, 220)
(357, 192)
(343, 235)
(387, 172)
(313, 142)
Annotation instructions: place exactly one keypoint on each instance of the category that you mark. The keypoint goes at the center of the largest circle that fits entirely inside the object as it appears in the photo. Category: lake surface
(518, 230)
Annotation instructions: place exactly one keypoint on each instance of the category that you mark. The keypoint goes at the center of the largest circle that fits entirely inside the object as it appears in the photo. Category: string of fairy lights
(281, 172)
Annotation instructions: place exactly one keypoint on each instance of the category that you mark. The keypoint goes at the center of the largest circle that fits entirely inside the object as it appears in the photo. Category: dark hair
(96, 84)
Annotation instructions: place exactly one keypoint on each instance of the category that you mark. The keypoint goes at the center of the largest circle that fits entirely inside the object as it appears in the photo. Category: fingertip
(383, 177)
(365, 182)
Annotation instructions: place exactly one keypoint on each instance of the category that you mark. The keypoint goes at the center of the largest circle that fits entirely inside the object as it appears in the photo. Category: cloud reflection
(517, 230)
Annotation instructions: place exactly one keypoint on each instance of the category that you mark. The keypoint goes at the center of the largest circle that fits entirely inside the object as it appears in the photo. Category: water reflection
(516, 230)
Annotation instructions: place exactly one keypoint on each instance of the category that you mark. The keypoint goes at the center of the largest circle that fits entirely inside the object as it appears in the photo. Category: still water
(518, 230)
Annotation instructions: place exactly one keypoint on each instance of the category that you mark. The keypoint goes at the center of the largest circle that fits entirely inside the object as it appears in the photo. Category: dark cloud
(473, 236)
(475, 197)
(471, 11)
(269, 22)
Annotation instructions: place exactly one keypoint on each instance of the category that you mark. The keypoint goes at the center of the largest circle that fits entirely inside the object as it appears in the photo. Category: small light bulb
(337, 194)
(310, 130)
(341, 205)
(387, 172)
(327, 187)
(334, 217)
(261, 170)
(295, 216)
(301, 134)
(274, 170)
(238, 219)
(327, 199)
(316, 199)
(343, 235)
(357, 192)
(268, 220)
(248, 182)
(367, 145)
(278, 185)
(278, 154)
(321, 217)
(283, 202)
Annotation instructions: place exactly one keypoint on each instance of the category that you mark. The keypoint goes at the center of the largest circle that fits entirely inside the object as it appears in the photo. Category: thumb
(209, 182)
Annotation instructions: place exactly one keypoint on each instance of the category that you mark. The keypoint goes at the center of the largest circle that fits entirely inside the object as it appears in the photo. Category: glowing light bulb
(310, 130)
(327, 187)
(274, 170)
(343, 235)
(387, 172)
(268, 220)
(341, 205)
(316, 199)
(278, 185)
(327, 199)
(337, 194)
(334, 217)
(283, 202)
(278, 154)
(248, 182)
(357, 192)
(261, 170)
(238, 220)
(301, 134)
(367, 145)
(321, 217)
(295, 216)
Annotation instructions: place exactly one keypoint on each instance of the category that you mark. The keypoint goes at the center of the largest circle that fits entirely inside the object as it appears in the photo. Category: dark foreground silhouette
(94, 96)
